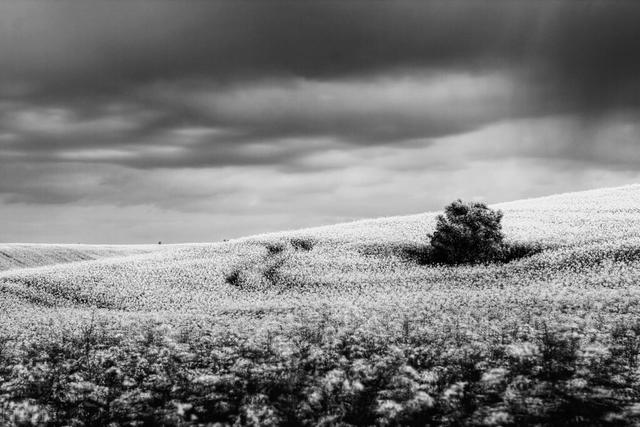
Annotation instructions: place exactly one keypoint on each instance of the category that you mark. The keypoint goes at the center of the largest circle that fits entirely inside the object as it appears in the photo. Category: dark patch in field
(12, 258)
(302, 244)
(591, 257)
(409, 252)
(39, 298)
(37, 294)
(274, 248)
(424, 254)
(517, 250)
(234, 278)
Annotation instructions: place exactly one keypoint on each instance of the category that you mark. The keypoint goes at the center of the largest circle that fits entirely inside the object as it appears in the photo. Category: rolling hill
(25, 255)
(344, 300)
(593, 227)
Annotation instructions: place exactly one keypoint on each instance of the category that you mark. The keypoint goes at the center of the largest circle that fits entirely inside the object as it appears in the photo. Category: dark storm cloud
(263, 122)
(142, 85)
(584, 50)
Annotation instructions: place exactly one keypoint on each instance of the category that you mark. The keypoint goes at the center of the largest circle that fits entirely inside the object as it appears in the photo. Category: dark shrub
(468, 233)
(234, 278)
(302, 244)
(274, 248)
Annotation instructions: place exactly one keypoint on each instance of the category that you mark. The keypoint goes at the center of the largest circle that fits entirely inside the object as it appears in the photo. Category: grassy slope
(586, 230)
(528, 340)
(25, 255)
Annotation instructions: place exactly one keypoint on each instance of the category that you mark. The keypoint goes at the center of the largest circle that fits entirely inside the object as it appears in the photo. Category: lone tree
(468, 233)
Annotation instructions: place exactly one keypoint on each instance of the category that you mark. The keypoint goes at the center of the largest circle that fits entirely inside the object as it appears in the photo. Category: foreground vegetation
(322, 369)
(338, 326)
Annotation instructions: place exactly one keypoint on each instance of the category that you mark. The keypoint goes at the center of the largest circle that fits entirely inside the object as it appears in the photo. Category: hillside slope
(24, 255)
(588, 235)
(328, 325)
(568, 218)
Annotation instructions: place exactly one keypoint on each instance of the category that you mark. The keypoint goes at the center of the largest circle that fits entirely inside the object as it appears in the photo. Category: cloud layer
(268, 115)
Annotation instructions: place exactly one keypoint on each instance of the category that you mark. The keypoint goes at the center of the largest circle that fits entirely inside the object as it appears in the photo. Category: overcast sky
(140, 121)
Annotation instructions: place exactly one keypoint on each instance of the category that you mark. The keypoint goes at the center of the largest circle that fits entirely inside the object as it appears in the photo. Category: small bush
(274, 248)
(302, 244)
(234, 278)
(468, 233)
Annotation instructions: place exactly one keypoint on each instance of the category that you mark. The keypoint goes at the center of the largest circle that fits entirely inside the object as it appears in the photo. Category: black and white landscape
(185, 189)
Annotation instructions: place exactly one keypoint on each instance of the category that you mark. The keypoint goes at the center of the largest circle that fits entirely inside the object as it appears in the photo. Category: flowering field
(338, 325)
(34, 255)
